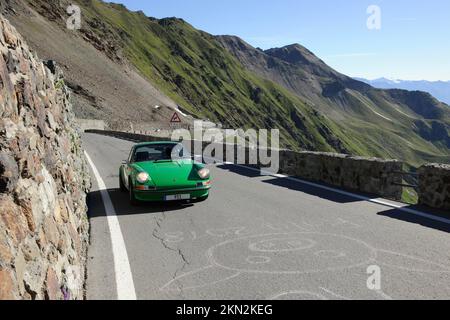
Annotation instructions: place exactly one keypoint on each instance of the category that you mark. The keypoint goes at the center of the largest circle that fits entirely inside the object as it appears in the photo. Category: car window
(159, 152)
(130, 156)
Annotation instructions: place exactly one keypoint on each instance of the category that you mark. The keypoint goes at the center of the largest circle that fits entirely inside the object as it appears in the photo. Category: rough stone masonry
(43, 179)
(434, 186)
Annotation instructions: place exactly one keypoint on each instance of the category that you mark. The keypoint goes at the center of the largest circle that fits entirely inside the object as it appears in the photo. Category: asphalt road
(258, 238)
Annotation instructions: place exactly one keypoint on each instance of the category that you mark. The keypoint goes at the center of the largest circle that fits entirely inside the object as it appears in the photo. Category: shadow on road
(290, 184)
(340, 198)
(122, 205)
(246, 172)
(311, 190)
(423, 221)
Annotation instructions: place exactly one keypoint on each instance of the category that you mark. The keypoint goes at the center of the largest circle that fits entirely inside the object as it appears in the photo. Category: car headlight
(203, 173)
(142, 177)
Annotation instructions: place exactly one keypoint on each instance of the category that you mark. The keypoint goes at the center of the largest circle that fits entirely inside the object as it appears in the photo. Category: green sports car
(163, 171)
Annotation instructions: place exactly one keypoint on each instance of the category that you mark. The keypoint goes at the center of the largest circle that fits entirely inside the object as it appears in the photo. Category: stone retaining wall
(434, 186)
(43, 179)
(368, 175)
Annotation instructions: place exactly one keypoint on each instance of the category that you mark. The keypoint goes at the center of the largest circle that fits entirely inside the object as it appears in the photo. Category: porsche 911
(163, 171)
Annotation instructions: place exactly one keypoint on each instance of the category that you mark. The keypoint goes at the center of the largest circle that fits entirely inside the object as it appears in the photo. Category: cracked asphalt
(262, 238)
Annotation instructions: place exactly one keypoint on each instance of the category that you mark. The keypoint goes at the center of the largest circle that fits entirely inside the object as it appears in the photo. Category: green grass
(410, 196)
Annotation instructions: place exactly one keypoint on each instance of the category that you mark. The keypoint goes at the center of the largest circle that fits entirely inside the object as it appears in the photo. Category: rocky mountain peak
(294, 54)
(236, 44)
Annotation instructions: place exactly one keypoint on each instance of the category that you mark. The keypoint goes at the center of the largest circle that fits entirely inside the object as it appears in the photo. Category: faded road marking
(124, 277)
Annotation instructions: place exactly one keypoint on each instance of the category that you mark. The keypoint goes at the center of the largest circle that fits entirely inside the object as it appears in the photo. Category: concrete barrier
(368, 175)
(89, 124)
(434, 186)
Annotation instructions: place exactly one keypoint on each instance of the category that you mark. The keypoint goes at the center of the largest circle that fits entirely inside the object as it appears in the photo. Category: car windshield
(160, 152)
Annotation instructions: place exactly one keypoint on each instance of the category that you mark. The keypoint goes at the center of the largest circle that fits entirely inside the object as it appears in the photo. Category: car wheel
(133, 200)
(121, 184)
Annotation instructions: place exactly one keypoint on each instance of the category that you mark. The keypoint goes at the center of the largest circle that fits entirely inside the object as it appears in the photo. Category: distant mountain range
(438, 89)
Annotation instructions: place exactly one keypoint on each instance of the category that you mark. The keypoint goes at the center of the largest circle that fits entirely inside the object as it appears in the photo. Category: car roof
(143, 144)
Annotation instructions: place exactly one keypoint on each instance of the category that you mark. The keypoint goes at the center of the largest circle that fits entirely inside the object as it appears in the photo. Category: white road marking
(334, 294)
(124, 277)
(383, 295)
(317, 296)
(384, 202)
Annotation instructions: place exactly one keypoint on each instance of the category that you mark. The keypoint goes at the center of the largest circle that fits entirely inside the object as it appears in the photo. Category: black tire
(133, 200)
(121, 184)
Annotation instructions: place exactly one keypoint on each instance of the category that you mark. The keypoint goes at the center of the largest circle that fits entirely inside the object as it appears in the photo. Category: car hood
(180, 173)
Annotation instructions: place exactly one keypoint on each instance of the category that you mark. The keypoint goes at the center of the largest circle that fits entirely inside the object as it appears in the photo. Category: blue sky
(413, 43)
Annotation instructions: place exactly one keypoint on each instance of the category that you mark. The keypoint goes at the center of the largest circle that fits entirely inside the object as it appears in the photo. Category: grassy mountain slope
(438, 89)
(193, 69)
(228, 81)
(412, 126)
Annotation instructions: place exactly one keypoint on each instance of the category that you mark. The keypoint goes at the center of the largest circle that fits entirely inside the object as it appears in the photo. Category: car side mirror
(124, 162)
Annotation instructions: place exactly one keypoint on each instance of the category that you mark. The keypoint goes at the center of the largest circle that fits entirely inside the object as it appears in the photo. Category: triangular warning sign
(175, 118)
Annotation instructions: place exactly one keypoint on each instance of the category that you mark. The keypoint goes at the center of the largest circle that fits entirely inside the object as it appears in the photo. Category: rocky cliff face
(43, 179)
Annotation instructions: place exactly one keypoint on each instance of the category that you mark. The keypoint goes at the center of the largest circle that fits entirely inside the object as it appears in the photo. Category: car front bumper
(160, 195)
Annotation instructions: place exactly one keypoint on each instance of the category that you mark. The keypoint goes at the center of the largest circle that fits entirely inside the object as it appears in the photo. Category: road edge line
(378, 201)
(124, 277)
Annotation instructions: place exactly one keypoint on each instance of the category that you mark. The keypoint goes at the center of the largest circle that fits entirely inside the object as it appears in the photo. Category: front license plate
(177, 197)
